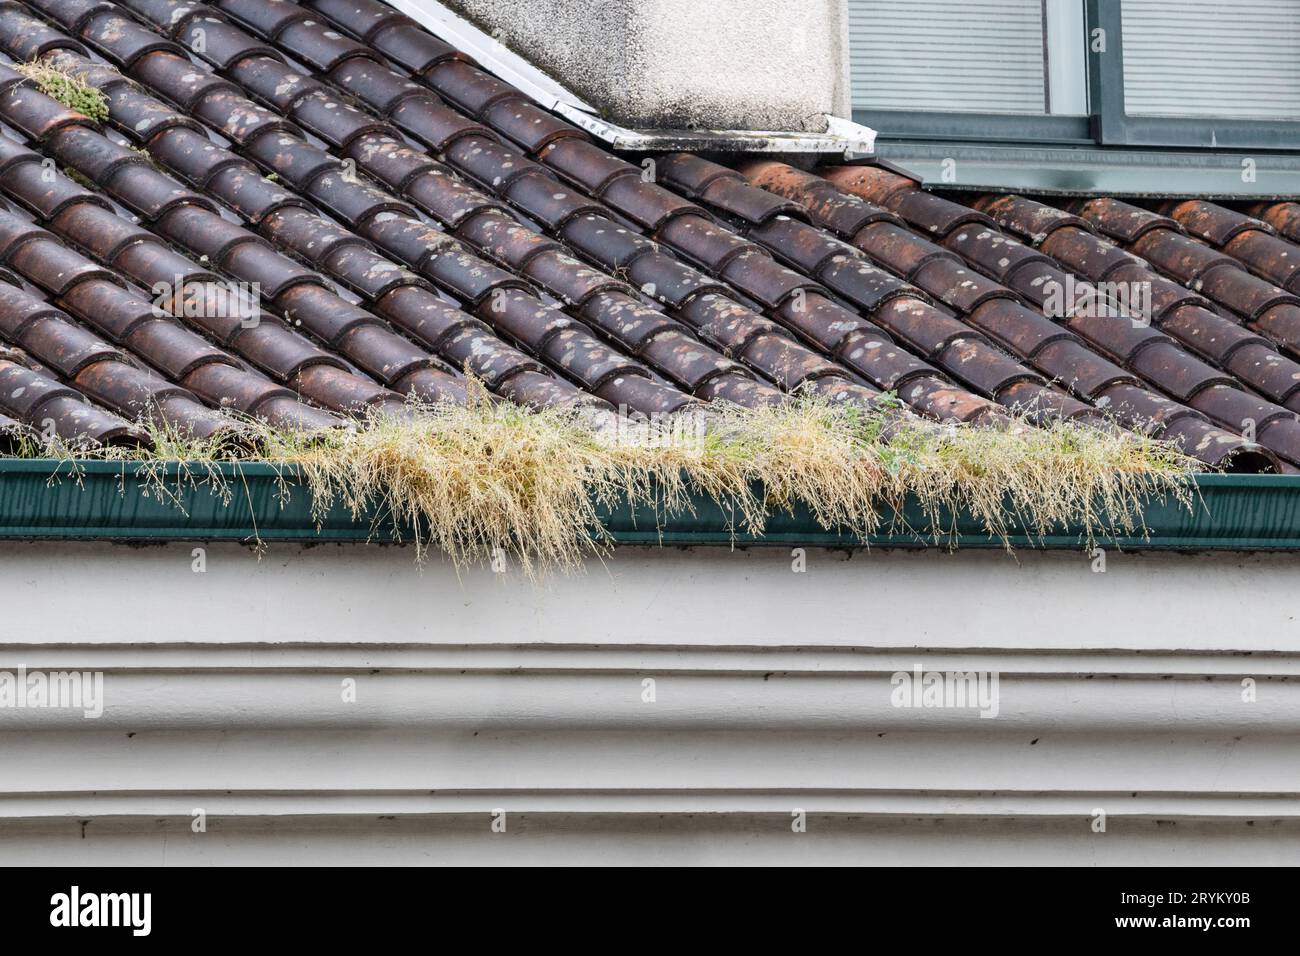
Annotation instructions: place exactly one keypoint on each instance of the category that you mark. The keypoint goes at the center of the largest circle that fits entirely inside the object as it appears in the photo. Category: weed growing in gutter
(467, 480)
(67, 89)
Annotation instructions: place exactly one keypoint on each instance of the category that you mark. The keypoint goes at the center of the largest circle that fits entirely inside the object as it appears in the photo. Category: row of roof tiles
(1241, 380)
(406, 175)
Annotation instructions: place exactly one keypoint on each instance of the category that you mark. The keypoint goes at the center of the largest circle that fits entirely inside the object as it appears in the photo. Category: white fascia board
(842, 137)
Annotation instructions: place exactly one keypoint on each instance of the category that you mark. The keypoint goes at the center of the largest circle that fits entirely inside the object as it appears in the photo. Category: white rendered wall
(1119, 691)
(683, 64)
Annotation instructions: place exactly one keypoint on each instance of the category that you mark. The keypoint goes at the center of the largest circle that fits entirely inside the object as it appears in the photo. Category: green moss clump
(68, 89)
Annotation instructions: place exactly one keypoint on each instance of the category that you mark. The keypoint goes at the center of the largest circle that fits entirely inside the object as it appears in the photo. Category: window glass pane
(1238, 59)
(948, 55)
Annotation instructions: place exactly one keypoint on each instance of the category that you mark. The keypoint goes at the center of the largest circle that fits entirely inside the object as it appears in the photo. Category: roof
(425, 218)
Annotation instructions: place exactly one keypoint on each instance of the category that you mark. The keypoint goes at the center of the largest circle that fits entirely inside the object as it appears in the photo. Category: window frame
(1107, 123)
(1113, 125)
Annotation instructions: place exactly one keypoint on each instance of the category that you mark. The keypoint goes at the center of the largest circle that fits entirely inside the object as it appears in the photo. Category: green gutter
(106, 501)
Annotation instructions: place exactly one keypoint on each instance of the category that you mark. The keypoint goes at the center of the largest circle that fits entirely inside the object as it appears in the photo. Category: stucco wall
(726, 64)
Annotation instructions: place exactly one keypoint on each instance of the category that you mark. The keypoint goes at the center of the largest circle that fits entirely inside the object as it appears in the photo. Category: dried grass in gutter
(471, 479)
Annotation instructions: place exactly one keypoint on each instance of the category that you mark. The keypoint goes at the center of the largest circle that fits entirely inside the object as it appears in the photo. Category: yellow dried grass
(488, 475)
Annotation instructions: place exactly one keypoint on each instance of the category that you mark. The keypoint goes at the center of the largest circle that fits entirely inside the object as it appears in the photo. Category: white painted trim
(842, 137)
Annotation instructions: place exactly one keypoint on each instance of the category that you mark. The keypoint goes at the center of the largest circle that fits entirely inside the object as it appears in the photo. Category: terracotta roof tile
(1282, 216)
(506, 241)
(1139, 352)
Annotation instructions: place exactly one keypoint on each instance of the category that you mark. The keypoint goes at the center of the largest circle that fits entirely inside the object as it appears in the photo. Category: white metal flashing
(842, 136)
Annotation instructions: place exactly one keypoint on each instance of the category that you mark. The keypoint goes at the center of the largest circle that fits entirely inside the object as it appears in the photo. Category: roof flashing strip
(842, 137)
(1092, 171)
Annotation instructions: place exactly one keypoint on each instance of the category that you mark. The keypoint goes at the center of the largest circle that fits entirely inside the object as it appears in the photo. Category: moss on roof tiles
(69, 90)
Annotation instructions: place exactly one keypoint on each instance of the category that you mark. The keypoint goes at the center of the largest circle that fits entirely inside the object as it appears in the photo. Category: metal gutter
(842, 137)
(107, 501)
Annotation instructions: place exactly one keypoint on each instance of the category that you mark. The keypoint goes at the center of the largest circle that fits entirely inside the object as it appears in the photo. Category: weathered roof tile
(582, 278)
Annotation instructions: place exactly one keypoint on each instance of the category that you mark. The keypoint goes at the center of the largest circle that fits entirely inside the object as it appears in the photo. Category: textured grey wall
(722, 64)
